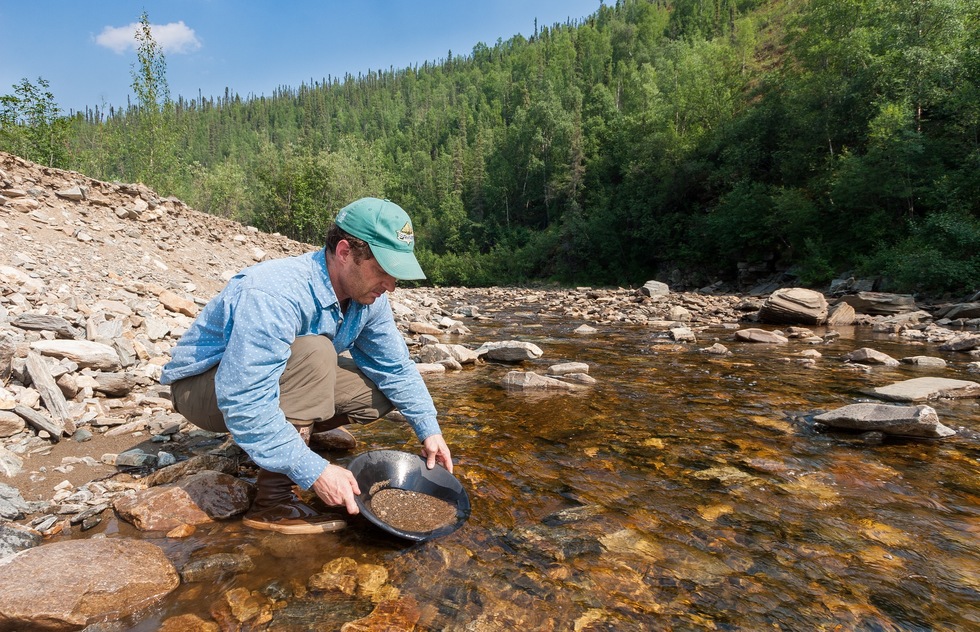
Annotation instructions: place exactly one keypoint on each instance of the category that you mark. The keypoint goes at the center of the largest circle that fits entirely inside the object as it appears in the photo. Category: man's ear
(343, 250)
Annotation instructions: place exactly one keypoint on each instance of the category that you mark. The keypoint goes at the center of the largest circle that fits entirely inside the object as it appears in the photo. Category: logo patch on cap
(406, 234)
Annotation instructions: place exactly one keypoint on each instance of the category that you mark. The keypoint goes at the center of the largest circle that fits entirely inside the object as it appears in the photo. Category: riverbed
(683, 491)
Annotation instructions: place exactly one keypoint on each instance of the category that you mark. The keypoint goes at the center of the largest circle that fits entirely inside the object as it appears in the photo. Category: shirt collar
(322, 287)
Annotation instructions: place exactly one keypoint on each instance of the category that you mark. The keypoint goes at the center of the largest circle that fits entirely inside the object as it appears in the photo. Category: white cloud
(175, 37)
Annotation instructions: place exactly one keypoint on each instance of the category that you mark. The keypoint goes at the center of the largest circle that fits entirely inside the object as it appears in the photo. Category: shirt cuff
(307, 469)
(425, 427)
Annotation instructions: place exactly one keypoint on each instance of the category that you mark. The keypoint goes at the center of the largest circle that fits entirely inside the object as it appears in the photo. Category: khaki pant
(317, 389)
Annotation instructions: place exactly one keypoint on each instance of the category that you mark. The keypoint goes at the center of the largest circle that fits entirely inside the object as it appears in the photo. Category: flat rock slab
(85, 353)
(907, 421)
(69, 585)
(529, 381)
(761, 336)
(925, 388)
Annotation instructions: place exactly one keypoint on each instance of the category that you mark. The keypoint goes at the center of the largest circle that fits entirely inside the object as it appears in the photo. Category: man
(261, 362)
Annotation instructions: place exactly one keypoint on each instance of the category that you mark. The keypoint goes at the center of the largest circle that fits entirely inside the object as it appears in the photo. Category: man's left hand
(434, 449)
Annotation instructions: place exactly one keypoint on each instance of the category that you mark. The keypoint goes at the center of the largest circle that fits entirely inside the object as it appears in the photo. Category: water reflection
(684, 491)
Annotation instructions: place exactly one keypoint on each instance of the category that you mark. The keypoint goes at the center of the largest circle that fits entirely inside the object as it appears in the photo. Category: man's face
(366, 280)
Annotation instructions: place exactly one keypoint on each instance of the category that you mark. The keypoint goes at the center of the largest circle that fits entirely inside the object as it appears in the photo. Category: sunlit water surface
(684, 491)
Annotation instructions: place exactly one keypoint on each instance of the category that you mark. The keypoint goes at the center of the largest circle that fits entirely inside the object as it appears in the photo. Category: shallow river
(684, 491)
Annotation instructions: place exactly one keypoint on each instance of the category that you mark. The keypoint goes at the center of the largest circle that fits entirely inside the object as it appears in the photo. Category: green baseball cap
(388, 230)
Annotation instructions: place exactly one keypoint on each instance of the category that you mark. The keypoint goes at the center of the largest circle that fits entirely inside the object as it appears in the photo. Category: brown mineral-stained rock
(188, 623)
(178, 304)
(397, 615)
(339, 575)
(70, 584)
(196, 499)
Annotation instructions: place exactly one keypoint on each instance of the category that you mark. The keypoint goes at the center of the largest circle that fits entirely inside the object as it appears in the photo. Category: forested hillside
(700, 136)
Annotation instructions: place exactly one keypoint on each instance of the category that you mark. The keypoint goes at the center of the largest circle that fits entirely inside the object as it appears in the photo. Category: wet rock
(370, 579)
(193, 465)
(392, 615)
(70, 584)
(510, 351)
(197, 499)
(911, 421)
(335, 439)
(760, 336)
(242, 609)
(188, 623)
(867, 355)
(337, 575)
(529, 381)
(926, 388)
(585, 330)
(559, 543)
(215, 566)
(880, 303)
(794, 306)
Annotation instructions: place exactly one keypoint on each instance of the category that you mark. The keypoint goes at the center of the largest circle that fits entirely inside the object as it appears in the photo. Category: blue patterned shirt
(249, 328)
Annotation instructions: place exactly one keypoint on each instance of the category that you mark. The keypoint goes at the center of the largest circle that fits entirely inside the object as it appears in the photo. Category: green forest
(683, 140)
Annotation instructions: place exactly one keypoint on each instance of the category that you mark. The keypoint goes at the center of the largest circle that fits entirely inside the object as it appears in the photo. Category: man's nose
(388, 282)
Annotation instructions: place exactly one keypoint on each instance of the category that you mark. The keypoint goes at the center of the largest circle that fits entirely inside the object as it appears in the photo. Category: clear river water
(683, 491)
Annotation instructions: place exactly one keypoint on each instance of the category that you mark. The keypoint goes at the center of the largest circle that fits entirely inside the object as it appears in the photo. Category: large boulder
(794, 306)
(880, 303)
(71, 584)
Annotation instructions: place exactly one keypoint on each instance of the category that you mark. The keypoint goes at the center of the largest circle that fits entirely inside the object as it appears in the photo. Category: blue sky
(85, 51)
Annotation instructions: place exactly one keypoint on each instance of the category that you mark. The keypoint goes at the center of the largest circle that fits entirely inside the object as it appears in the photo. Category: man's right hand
(337, 486)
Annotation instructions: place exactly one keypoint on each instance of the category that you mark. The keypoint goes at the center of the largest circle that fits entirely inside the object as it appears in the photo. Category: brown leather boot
(277, 508)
